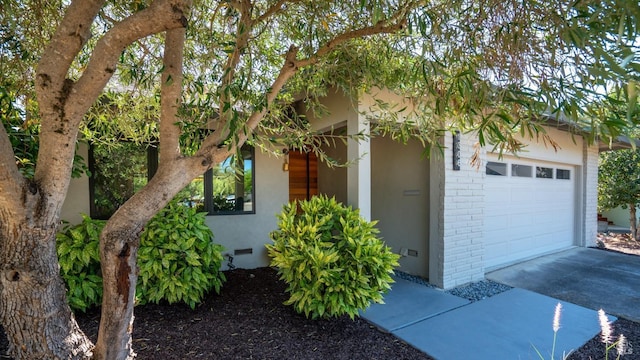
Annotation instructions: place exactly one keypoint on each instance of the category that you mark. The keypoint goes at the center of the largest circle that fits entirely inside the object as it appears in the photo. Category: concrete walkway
(517, 323)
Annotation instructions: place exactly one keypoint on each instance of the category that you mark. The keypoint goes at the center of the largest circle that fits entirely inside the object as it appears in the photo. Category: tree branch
(171, 94)
(274, 9)
(381, 27)
(286, 72)
(393, 24)
(289, 69)
(71, 35)
(161, 16)
(62, 111)
(11, 181)
(243, 33)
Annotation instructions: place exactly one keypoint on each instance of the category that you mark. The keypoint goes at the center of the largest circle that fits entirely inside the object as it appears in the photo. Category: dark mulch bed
(248, 321)
(595, 349)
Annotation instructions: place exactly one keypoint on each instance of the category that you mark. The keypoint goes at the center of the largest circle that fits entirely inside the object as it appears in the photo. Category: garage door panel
(494, 224)
(527, 216)
(521, 220)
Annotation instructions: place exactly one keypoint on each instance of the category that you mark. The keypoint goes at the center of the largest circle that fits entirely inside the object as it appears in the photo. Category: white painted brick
(462, 209)
(590, 195)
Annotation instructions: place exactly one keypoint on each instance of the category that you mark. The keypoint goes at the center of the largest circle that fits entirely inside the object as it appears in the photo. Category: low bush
(331, 258)
(78, 250)
(177, 258)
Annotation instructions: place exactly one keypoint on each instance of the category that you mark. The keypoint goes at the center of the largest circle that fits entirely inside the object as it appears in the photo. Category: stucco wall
(251, 231)
(620, 216)
(589, 195)
(400, 200)
(333, 181)
(77, 200)
(339, 108)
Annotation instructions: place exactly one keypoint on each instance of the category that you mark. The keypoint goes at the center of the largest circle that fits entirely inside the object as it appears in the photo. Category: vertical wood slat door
(303, 175)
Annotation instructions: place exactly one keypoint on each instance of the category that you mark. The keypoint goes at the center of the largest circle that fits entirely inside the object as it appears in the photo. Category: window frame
(540, 170)
(152, 167)
(515, 170)
(208, 189)
(567, 171)
(494, 172)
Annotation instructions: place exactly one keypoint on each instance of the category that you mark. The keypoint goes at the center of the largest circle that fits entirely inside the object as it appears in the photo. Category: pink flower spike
(605, 326)
(556, 318)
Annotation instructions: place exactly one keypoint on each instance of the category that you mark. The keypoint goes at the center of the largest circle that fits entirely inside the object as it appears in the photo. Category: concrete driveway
(592, 278)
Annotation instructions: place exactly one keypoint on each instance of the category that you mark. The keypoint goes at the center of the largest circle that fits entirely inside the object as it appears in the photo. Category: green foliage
(120, 170)
(178, 260)
(331, 258)
(24, 135)
(619, 179)
(619, 183)
(79, 256)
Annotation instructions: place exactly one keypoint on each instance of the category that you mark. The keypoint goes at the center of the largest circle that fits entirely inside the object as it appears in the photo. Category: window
(521, 170)
(496, 168)
(544, 172)
(229, 187)
(563, 174)
(117, 172)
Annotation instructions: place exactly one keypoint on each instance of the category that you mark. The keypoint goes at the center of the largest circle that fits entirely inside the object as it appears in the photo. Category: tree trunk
(33, 306)
(634, 221)
(118, 256)
(635, 231)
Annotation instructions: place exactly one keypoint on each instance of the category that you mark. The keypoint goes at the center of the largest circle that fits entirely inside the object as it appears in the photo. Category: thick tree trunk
(118, 253)
(635, 232)
(33, 307)
(633, 221)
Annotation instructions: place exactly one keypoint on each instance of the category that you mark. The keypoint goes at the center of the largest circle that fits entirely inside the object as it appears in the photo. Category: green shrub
(331, 258)
(78, 250)
(177, 258)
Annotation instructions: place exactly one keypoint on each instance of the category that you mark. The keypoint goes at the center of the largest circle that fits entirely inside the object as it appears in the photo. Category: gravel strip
(473, 292)
(479, 290)
(413, 278)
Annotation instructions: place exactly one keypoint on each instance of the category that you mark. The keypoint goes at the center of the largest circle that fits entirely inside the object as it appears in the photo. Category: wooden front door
(303, 175)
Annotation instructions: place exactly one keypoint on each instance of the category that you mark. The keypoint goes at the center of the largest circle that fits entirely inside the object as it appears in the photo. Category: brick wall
(460, 216)
(589, 195)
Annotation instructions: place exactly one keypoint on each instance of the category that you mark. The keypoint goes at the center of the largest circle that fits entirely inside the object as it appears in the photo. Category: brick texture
(461, 213)
(590, 195)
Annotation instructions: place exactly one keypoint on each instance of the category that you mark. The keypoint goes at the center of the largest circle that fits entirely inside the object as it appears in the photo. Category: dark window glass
(117, 172)
(521, 170)
(563, 174)
(193, 195)
(230, 185)
(544, 172)
(496, 168)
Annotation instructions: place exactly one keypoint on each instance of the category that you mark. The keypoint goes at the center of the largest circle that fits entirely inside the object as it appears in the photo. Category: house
(450, 225)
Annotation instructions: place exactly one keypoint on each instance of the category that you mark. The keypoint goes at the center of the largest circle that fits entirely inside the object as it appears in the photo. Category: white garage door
(530, 209)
